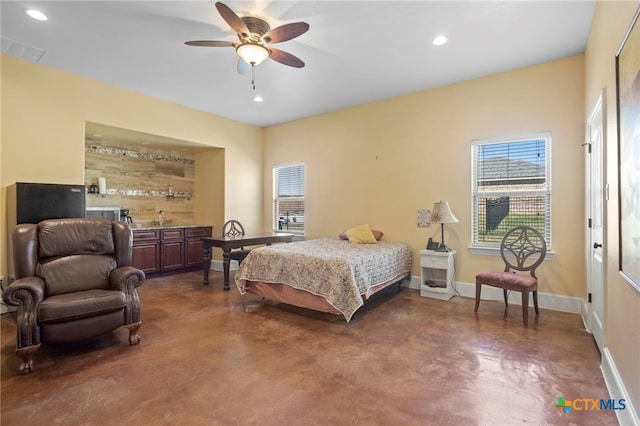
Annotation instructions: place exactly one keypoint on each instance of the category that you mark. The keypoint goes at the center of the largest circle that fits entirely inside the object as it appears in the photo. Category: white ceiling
(356, 52)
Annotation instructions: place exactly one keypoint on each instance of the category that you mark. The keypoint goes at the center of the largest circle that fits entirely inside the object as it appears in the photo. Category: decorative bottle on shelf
(102, 186)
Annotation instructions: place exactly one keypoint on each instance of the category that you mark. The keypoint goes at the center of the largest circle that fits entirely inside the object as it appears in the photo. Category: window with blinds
(288, 185)
(511, 186)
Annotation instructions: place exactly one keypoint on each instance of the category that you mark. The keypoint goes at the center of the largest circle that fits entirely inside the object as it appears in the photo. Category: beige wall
(210, 168)
(43, 133)
(380, 162)
(610, 23)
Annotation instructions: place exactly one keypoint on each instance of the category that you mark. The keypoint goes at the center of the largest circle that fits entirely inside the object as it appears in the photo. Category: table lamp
(442, 214)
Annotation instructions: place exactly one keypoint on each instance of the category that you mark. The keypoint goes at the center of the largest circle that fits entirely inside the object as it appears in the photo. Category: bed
(327, 274)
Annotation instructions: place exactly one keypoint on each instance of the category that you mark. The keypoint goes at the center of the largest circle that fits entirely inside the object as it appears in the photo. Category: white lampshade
(441, 213)
(252, 53)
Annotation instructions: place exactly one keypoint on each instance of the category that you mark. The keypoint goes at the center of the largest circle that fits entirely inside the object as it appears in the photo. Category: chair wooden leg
(506, 297)
(525, 308)
(26, 354)
(535, 301)
(134, 339)
(478, 291)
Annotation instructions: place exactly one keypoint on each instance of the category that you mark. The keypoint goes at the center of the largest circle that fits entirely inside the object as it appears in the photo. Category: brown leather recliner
(74, 280)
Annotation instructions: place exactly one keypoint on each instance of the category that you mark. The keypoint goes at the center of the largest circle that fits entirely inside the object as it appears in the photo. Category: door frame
(597, 117)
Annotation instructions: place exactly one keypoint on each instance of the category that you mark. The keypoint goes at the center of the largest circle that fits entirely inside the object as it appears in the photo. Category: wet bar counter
(168, 249)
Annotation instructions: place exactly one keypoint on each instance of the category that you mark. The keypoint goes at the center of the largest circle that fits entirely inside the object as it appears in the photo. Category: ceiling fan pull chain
(253, 77)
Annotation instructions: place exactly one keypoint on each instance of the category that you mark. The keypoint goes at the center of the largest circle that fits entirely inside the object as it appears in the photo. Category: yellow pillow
(361, 235)
(377, 234)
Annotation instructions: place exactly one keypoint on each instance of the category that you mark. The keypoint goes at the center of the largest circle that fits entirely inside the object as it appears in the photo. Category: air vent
(21, 50)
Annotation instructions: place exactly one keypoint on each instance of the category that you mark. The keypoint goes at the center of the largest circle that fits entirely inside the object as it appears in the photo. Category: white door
(595, 241)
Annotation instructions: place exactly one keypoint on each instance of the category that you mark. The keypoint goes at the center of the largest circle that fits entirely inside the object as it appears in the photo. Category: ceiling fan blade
(243, 67)
(286, 32)
(233, 20)
(285, 58)
(209, 43)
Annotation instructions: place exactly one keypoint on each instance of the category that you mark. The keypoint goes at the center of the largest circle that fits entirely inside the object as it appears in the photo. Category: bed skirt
(284, 293)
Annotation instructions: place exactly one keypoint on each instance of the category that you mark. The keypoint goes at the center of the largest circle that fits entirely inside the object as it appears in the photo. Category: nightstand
(436, 271)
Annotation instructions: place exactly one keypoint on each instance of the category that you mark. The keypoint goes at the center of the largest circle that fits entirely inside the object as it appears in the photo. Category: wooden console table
(229, 243)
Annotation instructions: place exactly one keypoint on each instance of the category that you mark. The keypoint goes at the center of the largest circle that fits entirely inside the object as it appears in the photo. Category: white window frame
(493, 249)
(276, 199)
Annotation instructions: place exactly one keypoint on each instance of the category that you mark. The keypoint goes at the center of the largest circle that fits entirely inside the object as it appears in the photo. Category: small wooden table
(229, 243)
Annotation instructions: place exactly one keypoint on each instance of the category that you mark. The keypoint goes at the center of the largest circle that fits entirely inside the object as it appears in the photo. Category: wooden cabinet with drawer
(146, 250)
(169, 249)
(193, 256)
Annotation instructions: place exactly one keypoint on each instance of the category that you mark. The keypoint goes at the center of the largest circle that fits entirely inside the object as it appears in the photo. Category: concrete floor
(210, 357)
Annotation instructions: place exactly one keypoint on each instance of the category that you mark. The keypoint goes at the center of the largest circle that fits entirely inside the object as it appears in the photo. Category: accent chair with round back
(74, 281)
(522, 249)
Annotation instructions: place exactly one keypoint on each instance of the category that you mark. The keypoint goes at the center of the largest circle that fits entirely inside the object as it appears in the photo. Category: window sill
(495, 251)
(297, 235)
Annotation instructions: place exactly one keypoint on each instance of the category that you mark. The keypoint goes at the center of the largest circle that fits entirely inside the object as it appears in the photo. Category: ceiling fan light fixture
(252, 53)
(256, 36)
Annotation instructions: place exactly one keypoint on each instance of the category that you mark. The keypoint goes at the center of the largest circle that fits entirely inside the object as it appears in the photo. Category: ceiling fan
(255, 37)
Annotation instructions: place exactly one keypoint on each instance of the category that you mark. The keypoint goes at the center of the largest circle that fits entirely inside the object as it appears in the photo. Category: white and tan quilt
(337, 270)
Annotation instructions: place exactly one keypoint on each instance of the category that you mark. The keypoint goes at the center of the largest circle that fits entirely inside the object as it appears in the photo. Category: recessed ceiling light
(440, 40)
(36, 14)
(257, 98)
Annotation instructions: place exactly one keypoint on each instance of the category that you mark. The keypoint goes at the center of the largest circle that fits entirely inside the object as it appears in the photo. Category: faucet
(161, 218)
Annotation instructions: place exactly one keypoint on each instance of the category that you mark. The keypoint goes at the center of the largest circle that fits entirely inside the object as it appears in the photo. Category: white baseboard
(554, 302)
(216, 265)
(584, 314)
(617, 391)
